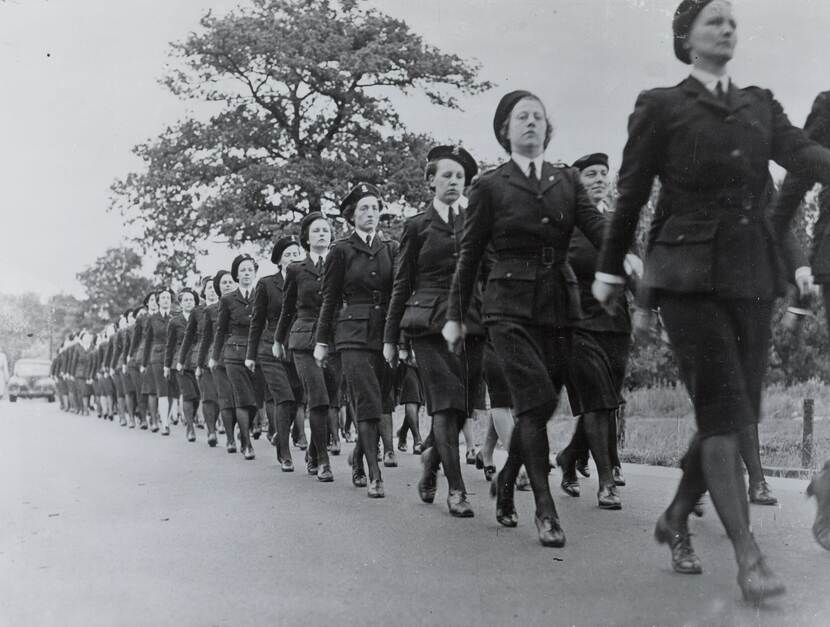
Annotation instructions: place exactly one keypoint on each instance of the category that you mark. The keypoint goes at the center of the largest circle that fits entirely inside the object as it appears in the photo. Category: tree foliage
(113, 283)
(301, 92)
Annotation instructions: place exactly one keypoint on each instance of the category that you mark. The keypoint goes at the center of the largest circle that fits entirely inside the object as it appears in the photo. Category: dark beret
(238, 262)
(457, 154)
(189, 290)
(350, 200)
(148, 297)
(217, 279)
(305, 226)
(684, 17)
(596, 158)
(505, 106)
(281, 245)
(126, 313)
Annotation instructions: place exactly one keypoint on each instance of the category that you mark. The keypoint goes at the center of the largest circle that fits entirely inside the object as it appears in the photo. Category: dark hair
(504, 131)
(150, 295)
(169, 291)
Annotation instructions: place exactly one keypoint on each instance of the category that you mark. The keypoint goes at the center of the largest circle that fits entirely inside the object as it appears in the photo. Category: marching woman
(83, 371)
(96, 382)
(130, 393)
(153, 360)
(100, 355)
(425, 265)
(119, 374)
(223, 284)
(230, 344)
(110, 391)
(357, 282)
(134, 364)
(411, 396)
(297, 324)
(148, 384)
(713, 265)
(188, 387)
(601, 345)
(192, 356)
(525, 211)
(260, 359)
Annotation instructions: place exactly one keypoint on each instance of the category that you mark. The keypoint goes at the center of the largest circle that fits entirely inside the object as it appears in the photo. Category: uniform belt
(547, 255)
(377, 298)
(739, 199)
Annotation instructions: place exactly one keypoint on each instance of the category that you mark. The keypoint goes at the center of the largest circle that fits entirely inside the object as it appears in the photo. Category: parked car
(31, 380)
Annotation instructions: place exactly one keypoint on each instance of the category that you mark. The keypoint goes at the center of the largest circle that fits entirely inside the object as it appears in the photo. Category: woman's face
(187, 302)
(367, 214)
(227, 284)
(290, 255)
(713, 34)
(164, 301)
(210, 294)
(246, 272)
(448, 181)
(595, 180)
(527, 128)
(122, 323)
(319, 234)
(153, 304)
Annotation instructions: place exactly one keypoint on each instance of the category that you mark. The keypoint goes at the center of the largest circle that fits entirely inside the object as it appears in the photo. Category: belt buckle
(548, 253)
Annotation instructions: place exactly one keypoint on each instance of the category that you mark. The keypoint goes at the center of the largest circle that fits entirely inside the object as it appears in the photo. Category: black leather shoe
(479, 461)
(570, 482)
(389, 459)
(402, 445)
(760, 494)
(143, 426)
(249, 453)
(256, 433)
(684, 560)
(417, 448)
(324, 474)
(505, 509)
(312, 468)
(165, 431)
(191, 435)
(335, 448)
(375, 490)
(458, 504)
(231, 447)
(819, 487)
(428, 483)
(608, 497)
(550, 531)
(758, 582)
(489, 472)
(358, 478)
(619, 478)
(697, 510)
(287, 465)
(471, 457)
(212, 440)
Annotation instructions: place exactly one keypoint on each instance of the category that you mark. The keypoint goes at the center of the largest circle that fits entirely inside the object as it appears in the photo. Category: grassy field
(659, 423)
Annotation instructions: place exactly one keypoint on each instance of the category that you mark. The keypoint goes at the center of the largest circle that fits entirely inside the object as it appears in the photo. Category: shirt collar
(524, 163)
(710, 81)
(443, 209)
(315, 257)
(364, 236)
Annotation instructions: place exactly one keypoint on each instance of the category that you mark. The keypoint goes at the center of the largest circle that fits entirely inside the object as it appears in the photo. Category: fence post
(807, 434)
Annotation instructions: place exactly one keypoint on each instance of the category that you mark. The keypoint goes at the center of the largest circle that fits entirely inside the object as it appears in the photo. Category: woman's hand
(212, 363)
(166, 372)
(321, 354)
(453, 333)
(390, 354)
(278, 350)
(198, 371)
(607, 294)
(180, 367)
(142, 370)
(250, 364)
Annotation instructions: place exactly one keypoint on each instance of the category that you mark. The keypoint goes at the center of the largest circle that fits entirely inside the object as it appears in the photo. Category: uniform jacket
(792, 192)
(209, 321)
(100, 359)
(110, 355)
(231, 336)
(122, 347)
(175, 337)
(303, 297)
(83, 364)
(267, 306)
(528, 230)
(424, 268)
(155, 338)
(188, 354)
(710, 233)
(357, 284)
(137, 341)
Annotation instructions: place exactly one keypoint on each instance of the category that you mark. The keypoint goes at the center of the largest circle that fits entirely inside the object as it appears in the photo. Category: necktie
(319, 265)
(451, 218)
(721, 93)
(531, 174)
(369, 241)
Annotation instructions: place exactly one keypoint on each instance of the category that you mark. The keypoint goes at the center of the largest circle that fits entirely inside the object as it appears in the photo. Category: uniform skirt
(296, 383)
(173, 390)
(450, 381)
(161, 386)
(597, 370)
(408, 385)
(118, 380)
(108, 386)
(534, 359)
(493, 380)
(224, 390)
(275, 379)
(207, 387)
(321, 386)
(135, 379)
(721, 347)
(96, 387)
(242, 384)
(148, 383)
(188, 386)
(369, 380)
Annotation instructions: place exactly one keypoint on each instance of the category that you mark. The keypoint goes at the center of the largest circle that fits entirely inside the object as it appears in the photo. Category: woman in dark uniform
(83, 371)
(411, 396)
(192, 356)
(188, 386)
(525, 211)
(117, 367)
(153, 360)
(300, 310)
(148, 384)
(425, 265)
(601, 345)
(268, 303)
(110, 391)
(713, 265)
(130, 396)
(357, 282)
(230, 343)
(134, 364)
(223, 284)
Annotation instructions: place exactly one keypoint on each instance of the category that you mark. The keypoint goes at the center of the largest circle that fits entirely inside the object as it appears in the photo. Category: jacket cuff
(610, 279)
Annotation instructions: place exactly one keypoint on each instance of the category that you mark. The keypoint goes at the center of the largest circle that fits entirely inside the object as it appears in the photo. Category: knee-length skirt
(450, 381)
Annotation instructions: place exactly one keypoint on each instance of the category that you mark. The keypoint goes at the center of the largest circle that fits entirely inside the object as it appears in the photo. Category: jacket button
(508, 274)
(736, 153)
(417, 302)
(545, 220)
(560, 216)
(681, 237)
(539, 196)
(455, 254)
(744, 220)
(350, 316)
(371, 257)
(373, 273)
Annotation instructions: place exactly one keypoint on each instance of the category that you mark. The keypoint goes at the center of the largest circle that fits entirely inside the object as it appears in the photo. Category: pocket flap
(427, 301)
(355, 312)
(513, 269)
(679, 232)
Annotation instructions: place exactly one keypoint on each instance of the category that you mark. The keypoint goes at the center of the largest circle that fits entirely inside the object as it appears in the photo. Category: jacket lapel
(435, 220)
(550, 177)
(516, 177)
(358, 242)
(695, 88)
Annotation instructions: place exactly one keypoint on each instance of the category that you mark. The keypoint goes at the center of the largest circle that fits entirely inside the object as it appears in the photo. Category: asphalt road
(102, 525)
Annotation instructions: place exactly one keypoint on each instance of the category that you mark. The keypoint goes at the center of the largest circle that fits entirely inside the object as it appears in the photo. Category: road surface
(107, 526)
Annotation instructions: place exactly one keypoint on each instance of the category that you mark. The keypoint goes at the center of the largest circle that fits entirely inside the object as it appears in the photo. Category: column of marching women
(509, 286)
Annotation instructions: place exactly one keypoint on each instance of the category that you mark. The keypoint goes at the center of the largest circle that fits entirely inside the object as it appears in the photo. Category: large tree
(113, 283)
(300, 91)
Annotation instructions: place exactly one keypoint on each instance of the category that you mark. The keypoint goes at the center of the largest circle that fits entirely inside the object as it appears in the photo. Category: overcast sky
(79, 89)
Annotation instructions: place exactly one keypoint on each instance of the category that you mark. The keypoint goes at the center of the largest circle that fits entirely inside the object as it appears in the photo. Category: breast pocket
(424, 312)
(301, 337)
(511, 290)
(234, 352)
(682, 256)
